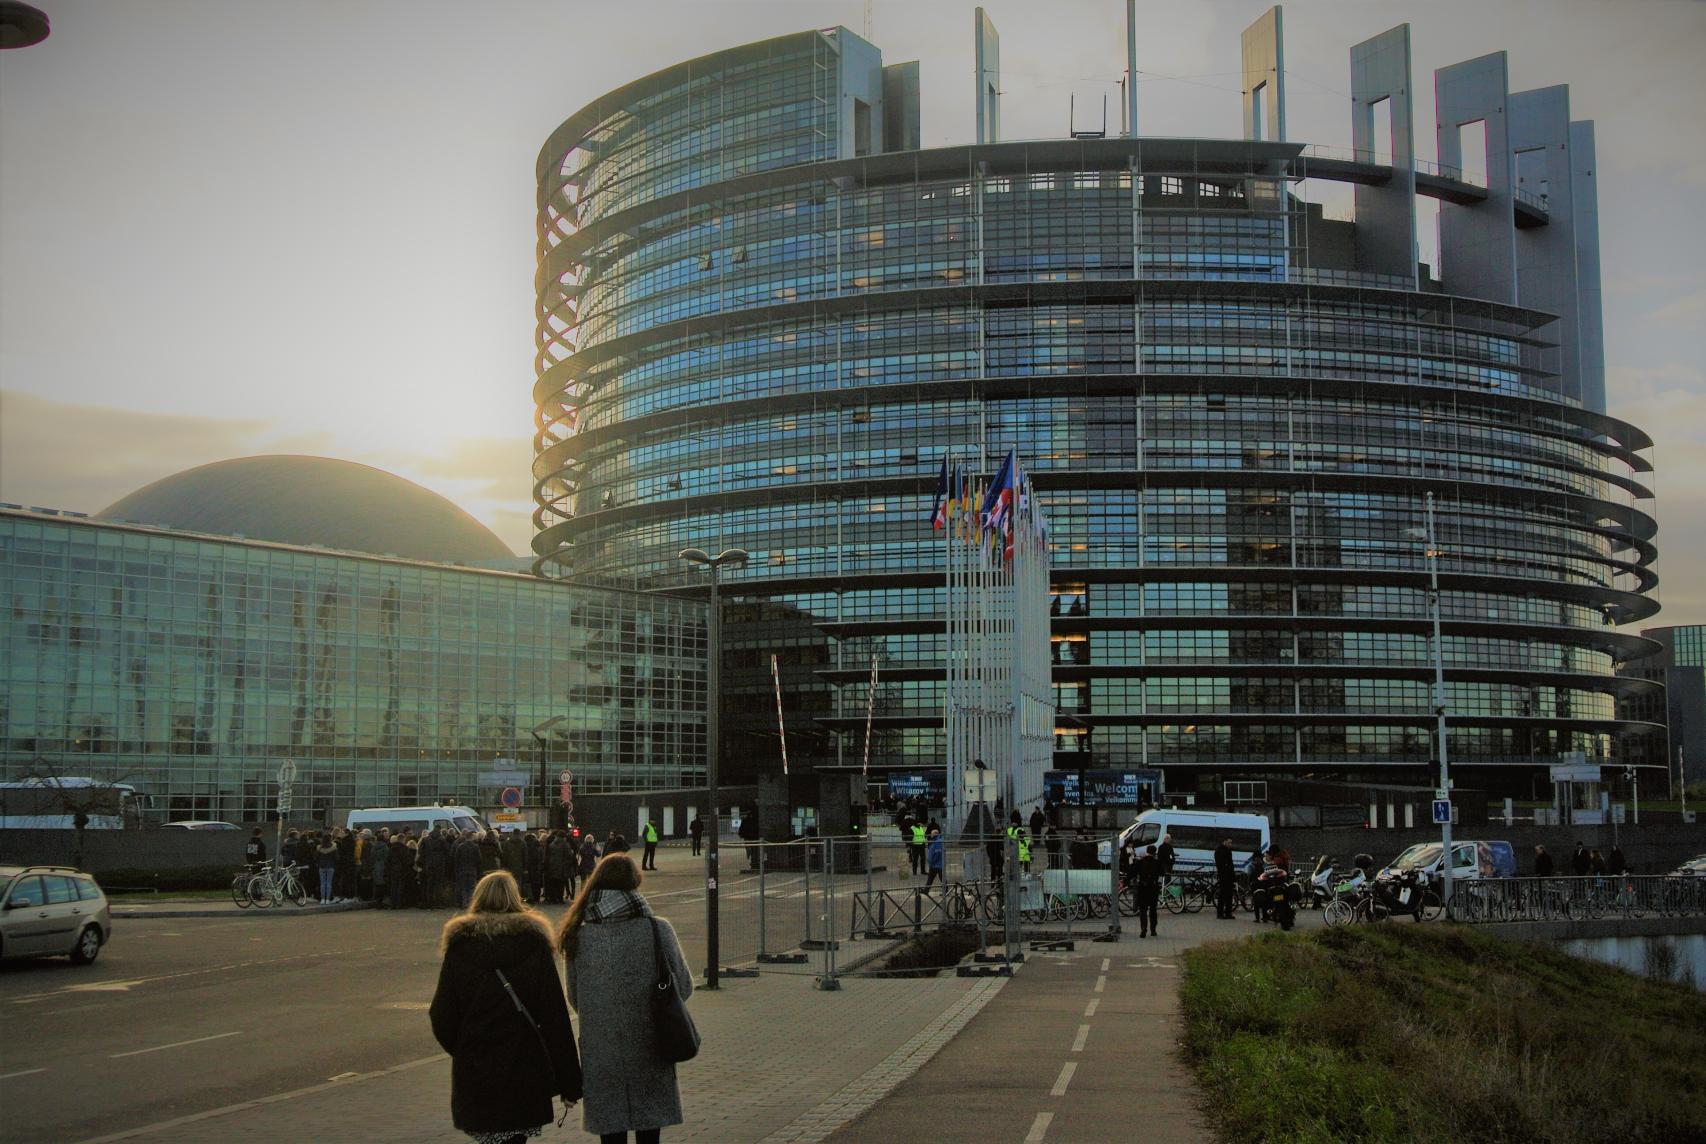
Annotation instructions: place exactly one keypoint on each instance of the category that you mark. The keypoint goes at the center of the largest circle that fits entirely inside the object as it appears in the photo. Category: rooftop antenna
(1130, 91)
(1087, 133)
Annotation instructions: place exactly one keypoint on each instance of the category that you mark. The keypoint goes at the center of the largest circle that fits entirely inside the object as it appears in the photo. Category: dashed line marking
(174, 1045)
(1090, 1009)
(1064, 1079)
(26, 1072)
(1078, 1041)
(1105, 963)
(1039, 1127)
(1101, 983)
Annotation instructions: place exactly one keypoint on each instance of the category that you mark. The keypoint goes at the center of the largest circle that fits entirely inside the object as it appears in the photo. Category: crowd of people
(438, 869)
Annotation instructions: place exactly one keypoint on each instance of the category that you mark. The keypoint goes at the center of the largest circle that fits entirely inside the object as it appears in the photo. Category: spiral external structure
(757, 328)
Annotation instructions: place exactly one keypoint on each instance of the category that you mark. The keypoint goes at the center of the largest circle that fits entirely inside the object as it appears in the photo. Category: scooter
(1320, 884)
(1274, 893)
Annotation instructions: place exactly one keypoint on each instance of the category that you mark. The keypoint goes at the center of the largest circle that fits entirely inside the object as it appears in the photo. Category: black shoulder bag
(525, 1015)
(677, 1038)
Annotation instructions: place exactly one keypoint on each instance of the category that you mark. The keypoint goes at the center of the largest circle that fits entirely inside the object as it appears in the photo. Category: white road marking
(175, 1045)
(1078, 1041)
(1038, 1127)
(1105, 963)
(125, 984)
(1064, 1079)
(1090, 1009)
(26, 1072)
(1101, 983)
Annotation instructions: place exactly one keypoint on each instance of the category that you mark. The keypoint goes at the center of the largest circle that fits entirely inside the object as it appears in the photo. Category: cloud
(1688, 311)
(1669, 402)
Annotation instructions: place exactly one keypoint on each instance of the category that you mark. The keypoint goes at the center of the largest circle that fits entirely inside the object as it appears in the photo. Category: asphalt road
(182, 1015)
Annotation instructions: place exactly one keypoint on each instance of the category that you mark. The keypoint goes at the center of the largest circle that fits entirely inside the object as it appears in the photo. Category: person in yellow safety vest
(915, 848)
(1021, 843)
(650, 862)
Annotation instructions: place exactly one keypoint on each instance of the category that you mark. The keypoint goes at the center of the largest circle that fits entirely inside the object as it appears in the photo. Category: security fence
(813, 906)
(1477, 900)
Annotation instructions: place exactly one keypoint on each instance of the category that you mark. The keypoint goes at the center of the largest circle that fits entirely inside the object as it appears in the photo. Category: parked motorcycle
(1320, 884)
(1275, 894)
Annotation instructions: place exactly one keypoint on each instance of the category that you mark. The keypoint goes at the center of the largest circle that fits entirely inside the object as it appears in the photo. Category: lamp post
(1426, 535)
(713, 681)
(544, 776)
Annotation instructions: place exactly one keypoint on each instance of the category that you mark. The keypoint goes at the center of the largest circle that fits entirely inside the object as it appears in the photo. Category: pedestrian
(1165, 855)
(1542, 862)
(935, 858)
(1038, 821)
(396, 858)
(588, 856)
(514, 856)
(1580, 862)
(558, 862)
(696, 832)
(1051, 843)
(750, 833)
(491, 855)
(500, 1014)
(1148, 892)
(608, 938)
(533, 865)
(1596, 863)
(326, 855)
(379, 859)
(650, 835)
(346, 864)
(255, 850)
(1615, 865)
(1253, 869)
(1225, 873)
(915, 846)
(466, 867)
(408, 874)
(364, 865)
(615, 843)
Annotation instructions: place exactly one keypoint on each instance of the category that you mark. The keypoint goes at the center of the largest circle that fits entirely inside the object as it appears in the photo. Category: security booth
(1578, 793)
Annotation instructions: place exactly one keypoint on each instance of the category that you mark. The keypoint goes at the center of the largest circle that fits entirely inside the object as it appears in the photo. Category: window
(26, 893)
(60, 889)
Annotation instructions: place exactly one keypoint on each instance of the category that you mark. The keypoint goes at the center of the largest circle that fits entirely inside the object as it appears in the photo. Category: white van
(419, 819)
(1196, 834)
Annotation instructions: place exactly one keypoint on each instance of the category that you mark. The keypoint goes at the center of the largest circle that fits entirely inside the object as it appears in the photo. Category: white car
(48, 911)
(202, 824)
(1694, 867)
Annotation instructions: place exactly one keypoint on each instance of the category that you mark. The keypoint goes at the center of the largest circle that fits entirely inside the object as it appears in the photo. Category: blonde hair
(613, 872)
(497, 893)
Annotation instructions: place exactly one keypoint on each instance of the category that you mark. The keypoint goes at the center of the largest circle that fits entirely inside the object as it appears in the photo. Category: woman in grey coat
(606, 939)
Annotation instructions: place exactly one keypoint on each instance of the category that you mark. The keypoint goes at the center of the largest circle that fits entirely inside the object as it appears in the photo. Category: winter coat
(559, 859)
(531, 857)
(327, 853)
(379, 858)
(611, 977)
(491, 858)
(397, 860)
(467, 859)
(346, 853)
(500, 1080)
(589, 855)
(514, 856)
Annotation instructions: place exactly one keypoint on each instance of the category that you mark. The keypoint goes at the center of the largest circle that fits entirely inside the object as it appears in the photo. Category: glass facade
(191, 665)
(1233, 428)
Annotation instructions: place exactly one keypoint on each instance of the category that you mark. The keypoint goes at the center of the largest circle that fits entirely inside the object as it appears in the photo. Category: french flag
(939, 514)
(998, 503)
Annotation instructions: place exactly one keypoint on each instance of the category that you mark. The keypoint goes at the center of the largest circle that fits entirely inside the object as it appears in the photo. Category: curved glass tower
(763, 315)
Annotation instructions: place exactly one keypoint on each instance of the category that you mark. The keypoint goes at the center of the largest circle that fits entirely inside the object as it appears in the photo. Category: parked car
(1694, 867)
(203, 824)
(49, 911)
(1469, 860)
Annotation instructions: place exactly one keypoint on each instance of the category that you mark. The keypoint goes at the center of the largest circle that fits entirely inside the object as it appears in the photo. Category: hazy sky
(231, 227)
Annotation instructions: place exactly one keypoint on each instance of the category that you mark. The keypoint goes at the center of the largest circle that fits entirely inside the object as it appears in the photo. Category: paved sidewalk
(783, 1063)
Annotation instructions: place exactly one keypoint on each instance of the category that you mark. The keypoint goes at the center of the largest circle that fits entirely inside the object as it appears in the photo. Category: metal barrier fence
(794, 907)
(1576, 899)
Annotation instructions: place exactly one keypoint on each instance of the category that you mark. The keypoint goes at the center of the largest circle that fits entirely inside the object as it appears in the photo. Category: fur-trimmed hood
(497, 930)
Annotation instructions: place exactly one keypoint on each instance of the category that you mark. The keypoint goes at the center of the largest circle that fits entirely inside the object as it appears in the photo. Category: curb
(238, 912)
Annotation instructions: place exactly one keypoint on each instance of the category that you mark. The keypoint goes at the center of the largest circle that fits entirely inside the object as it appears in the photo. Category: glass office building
(764, 314)
(191, 665)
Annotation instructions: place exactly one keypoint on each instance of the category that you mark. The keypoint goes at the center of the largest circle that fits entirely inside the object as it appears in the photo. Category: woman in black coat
(505, 1065)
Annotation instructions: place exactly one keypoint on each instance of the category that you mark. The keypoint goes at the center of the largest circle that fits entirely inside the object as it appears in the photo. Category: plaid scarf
(616, 906)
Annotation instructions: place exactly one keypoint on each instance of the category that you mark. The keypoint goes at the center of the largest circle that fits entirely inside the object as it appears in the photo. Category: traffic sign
(1442, 811)
(287, 772)
(565, 776)
(511, 797)
(566, 788)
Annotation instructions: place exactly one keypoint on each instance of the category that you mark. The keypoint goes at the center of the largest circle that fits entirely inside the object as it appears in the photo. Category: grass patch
(1438, 1033)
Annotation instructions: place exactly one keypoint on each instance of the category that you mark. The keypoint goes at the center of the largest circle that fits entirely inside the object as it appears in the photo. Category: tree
(80, 796)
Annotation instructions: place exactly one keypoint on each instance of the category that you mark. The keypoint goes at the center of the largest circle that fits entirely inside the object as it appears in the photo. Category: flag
(999, 501)
(939, 512)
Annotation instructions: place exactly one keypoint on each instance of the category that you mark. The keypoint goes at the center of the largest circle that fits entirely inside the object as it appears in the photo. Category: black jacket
(1543, 865)
(466, 858)
(500, 1077)
(1223, 863)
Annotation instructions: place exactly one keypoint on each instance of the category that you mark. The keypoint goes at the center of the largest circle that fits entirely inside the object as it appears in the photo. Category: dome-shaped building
(313, 500)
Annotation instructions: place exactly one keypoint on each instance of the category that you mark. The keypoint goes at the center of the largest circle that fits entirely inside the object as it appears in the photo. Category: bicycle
(275, 885)
(240, 886)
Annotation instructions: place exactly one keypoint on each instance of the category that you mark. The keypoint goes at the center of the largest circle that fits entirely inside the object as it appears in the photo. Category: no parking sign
(511, 797)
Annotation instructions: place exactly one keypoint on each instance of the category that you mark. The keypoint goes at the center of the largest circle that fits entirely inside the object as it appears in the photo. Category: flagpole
(781, 727)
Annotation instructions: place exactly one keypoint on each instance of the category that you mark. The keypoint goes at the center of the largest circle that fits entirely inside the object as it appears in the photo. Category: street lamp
(713, 708)
(1426, 535)
(544, 777)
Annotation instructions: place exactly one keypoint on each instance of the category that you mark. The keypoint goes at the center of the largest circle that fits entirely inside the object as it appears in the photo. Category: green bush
(1438, 1033)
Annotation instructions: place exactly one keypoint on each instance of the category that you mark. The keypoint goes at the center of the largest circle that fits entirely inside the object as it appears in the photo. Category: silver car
(48, 911)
